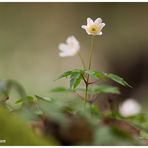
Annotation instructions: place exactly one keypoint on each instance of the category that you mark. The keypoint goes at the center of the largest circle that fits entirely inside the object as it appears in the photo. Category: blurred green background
(31, 32)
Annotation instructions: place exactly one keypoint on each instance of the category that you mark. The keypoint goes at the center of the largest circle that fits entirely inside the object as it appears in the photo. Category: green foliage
(144, 134)
(52, 108)
(75, 77)
(95, 74)
(7, 85)
(102, 75)
(117, 79)
(140, 120)
(16, 132)
(65, 74)
(102, 89)
(43, 98)
(95, 89)
(69, 73)
(112, 136)
(56, 109)
(61, 89)
(27, 99)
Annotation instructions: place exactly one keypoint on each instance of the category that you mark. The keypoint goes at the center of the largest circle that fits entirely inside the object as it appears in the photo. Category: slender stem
(93, 82)
(89, 66)
(91, 52)
(86, 92)
(84, 79)
(83, 63)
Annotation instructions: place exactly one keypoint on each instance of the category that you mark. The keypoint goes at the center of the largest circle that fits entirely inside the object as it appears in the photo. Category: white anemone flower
(130, 107)
(94, 27)
(70, 48)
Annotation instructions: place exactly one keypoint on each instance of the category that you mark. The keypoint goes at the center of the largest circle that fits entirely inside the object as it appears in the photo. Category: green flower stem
(89, 66)
(83, 63)
(91, 52)
(86, 92)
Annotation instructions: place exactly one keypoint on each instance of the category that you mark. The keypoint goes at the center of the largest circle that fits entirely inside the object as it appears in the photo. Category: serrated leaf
(71, 72)
(95, 74)
(102, 89)
(75, 82)
(117, 79)
(75, 79)
(65, 74)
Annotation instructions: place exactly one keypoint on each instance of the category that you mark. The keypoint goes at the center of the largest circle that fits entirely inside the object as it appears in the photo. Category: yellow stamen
(93, 29)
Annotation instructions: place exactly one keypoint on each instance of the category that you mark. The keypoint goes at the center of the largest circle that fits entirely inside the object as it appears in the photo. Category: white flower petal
(88, 32)
(84, 26)
(129, 108)
(71, 47)
(98, 21)
(102, 25)
(62, 54)
(69, 40)
(93, 27)
(100, 33)
(89, 21)
(63, 47)
(73, 43)
(67, 53)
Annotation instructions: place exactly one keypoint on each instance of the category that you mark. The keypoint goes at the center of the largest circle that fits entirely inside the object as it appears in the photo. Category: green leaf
(6, 86)
(75, 79)
(95, 110)
(139, 118)
(143, 134)
(95, 74)
(65, 74)
(20, 101)
(117, 79)
(60, 90)
(25, 100)
(43, 98)
(102, 89)
(30, 99)
(69, 73)
(102, 75)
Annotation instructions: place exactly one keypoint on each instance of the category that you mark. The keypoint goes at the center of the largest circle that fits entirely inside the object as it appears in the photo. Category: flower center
(93, 29)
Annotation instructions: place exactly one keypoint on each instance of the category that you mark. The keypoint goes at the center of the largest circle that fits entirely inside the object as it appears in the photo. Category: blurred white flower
(130, 107)
(94, 27)
(70, 48)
